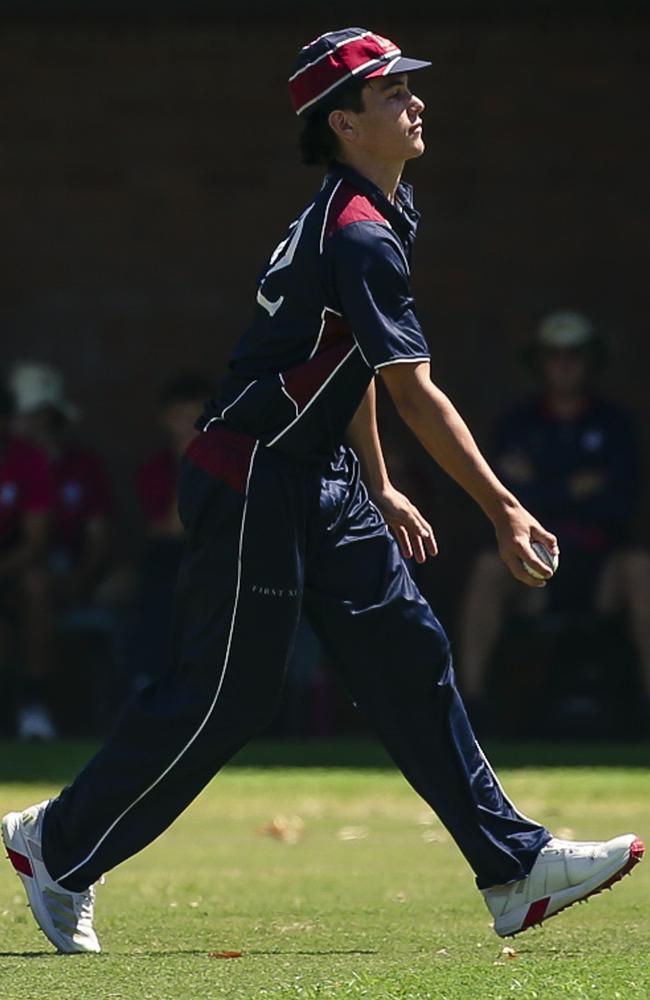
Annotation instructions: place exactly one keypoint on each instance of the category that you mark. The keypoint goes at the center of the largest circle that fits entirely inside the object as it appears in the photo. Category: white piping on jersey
(210, 421)
(344, 41)
(236, 400)
(384, 222)
(320, 334)
(216, 694)
(403, 361)
(327, 212)
(313, 398)
(360, 351)
(282, 386)
(322, 328)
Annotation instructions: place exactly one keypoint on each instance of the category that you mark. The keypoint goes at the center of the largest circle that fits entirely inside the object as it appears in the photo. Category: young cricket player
(287, 505)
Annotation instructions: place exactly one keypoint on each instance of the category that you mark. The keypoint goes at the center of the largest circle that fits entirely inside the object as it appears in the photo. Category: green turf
(372, 901)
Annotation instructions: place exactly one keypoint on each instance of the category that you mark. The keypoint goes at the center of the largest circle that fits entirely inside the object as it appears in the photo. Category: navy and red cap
(336, 57)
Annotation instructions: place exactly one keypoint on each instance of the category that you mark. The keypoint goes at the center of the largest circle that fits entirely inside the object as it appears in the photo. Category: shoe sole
(21, 858)
(535, 913)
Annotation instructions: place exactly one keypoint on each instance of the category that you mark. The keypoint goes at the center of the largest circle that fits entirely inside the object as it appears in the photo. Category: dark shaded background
(148, 166)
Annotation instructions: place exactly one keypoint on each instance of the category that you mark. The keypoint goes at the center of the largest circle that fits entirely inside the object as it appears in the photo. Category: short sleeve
(370, 284)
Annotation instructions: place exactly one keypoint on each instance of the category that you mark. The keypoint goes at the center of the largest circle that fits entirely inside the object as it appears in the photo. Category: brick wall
(146, 171)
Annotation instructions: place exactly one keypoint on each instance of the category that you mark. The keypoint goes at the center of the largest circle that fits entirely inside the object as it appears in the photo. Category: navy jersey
(333, 306)
(538, 455)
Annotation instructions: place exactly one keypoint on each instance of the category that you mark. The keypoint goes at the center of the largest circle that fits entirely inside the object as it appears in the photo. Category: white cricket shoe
(565, 872)
(66, 918)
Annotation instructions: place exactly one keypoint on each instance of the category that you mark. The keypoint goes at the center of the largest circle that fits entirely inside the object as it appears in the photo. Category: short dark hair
(318, 143)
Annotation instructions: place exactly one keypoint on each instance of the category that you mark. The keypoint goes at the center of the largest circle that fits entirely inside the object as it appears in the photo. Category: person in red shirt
(26, 623)
(81, 515)
(180, 403)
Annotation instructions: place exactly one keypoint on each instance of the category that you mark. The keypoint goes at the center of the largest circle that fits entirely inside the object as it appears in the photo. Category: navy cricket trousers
(267, 535)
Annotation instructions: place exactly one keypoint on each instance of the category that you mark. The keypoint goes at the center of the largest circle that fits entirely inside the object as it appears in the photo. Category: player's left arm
(413, 533)
(444, 434)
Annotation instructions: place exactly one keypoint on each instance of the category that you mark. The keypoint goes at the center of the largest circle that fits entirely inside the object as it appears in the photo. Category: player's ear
(342, 125)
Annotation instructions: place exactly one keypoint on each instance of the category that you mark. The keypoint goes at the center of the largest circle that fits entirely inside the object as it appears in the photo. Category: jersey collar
(404, 220)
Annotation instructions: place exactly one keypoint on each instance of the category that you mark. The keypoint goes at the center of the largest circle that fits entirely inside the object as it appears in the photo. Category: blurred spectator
(26, 619)
(571, 458)
(79, 548)
(180, 404)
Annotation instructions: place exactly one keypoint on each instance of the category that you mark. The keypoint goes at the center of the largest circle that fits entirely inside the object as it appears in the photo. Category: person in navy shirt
(572, 457)
(287, 506)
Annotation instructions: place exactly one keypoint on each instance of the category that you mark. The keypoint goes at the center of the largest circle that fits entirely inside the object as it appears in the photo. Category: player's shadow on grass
(314, 951)
(253, 953)
(29, 954)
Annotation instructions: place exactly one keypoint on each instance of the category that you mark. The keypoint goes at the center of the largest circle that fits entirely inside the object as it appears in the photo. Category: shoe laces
(85, 901)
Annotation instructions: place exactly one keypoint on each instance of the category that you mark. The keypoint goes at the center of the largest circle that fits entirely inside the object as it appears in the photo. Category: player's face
(41, 425)
(390, 127)
(565, 370)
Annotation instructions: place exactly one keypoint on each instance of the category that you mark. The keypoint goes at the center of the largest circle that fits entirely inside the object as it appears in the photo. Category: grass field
(335, 882)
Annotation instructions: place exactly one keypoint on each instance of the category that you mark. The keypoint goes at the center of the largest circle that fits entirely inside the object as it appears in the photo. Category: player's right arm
(370, 281)
(413, 532)
(444, 434)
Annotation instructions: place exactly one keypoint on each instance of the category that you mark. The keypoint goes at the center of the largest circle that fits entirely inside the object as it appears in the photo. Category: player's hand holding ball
(529, 551)
(551, 559)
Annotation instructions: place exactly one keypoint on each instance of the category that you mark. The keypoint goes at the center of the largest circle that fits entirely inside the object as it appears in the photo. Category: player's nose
(416, 104)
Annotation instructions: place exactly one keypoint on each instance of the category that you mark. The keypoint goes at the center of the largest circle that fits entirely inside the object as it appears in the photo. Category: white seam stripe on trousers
(499, 785)
(214, 700)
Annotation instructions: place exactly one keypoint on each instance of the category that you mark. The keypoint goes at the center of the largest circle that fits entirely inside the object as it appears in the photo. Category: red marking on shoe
(536, 912)
(20, 862)
(637, 850)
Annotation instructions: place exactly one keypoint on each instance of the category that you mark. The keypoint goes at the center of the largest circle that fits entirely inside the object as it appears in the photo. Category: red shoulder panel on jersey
(350, 205)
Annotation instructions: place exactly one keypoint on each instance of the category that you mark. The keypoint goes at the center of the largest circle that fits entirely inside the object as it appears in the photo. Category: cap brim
(399, 65)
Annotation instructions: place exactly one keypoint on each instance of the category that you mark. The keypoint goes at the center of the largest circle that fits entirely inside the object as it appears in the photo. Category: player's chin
(416, 146)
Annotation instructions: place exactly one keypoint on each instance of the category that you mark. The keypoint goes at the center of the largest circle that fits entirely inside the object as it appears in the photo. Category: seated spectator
(180, 404)
(79, 545)
(571, 458)
(26, 620)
